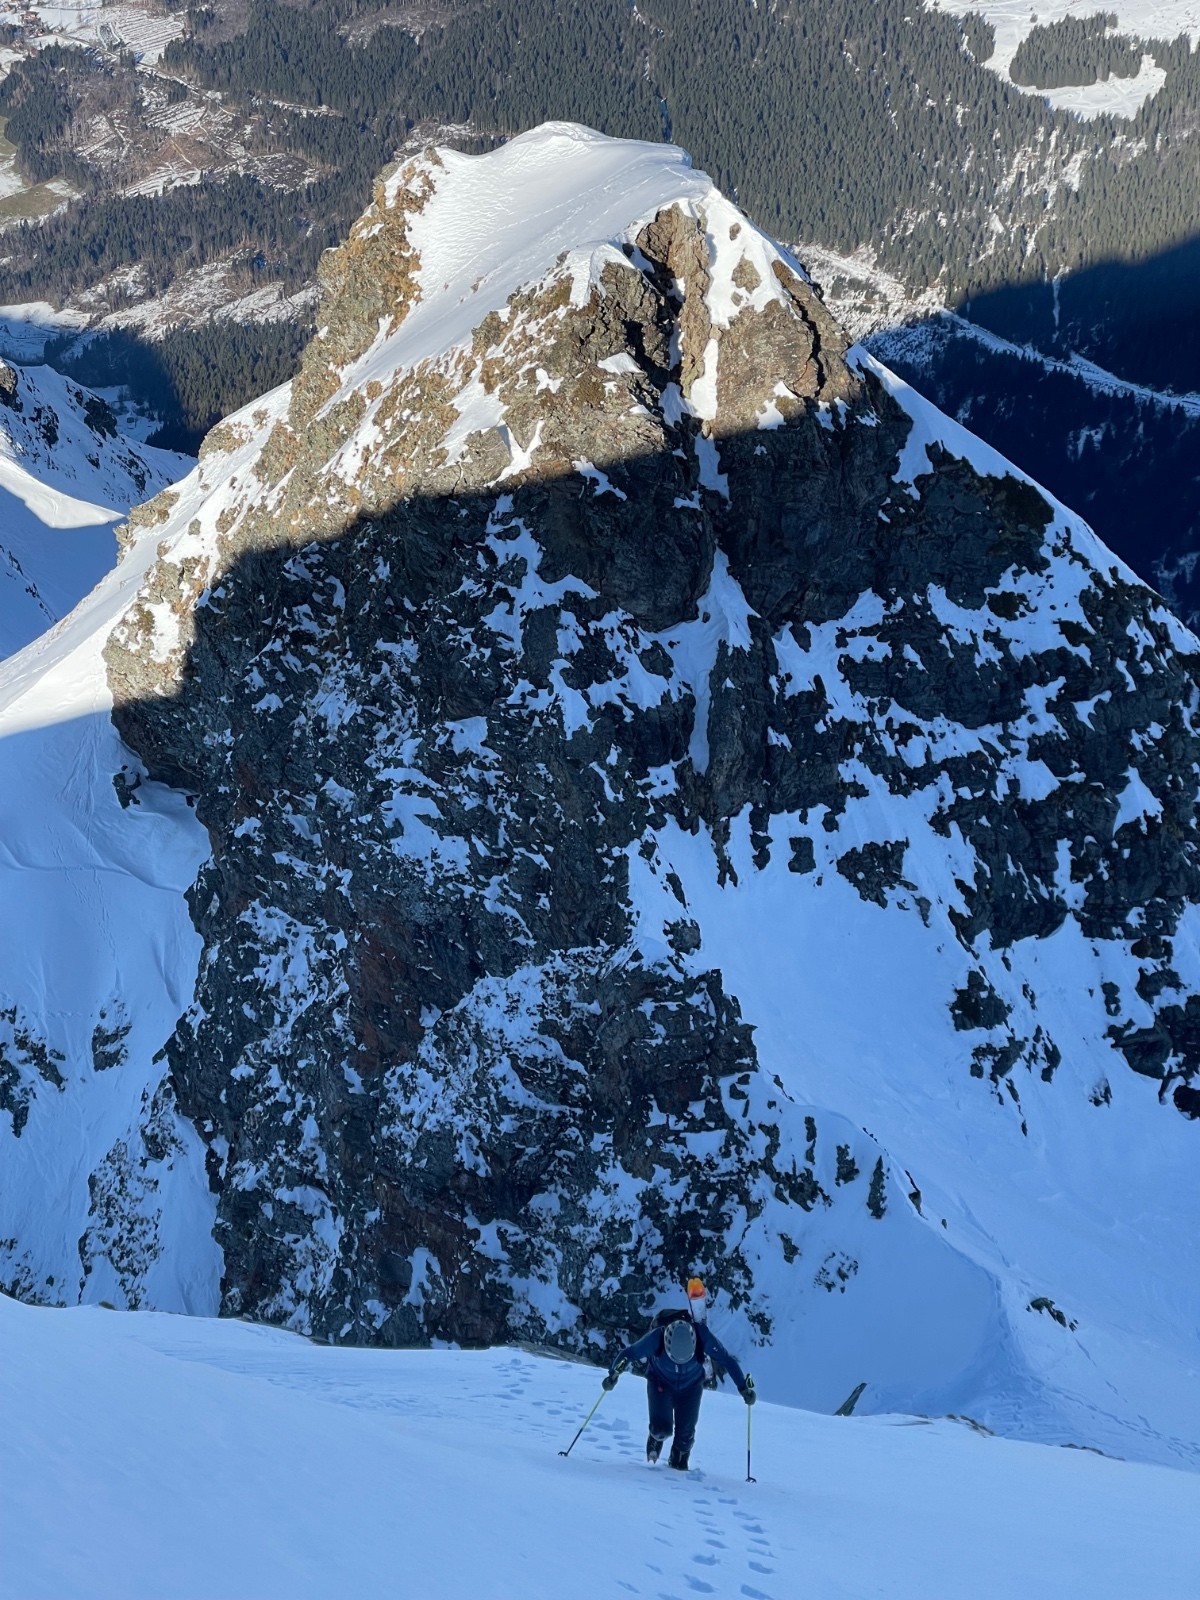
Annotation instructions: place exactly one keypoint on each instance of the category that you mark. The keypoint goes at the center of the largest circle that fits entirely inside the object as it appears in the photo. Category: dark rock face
(27, 1064)
(436, 721)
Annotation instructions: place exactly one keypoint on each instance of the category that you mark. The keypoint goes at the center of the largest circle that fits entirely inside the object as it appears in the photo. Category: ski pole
(749, 1479)
(583, 1425)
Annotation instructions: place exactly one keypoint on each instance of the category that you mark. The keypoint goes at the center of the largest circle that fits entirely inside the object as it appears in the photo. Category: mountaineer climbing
(675, 1351)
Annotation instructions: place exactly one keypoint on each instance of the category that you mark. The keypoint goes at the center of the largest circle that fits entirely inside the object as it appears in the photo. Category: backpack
(670, 1314)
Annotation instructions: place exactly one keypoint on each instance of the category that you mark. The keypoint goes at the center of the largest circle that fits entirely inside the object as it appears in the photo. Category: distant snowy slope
(1014, 20)
(66, 479)
(154, 1458)
(1120, 453)
(97, 954)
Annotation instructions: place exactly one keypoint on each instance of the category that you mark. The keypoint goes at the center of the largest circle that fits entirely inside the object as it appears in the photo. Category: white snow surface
(62, 494)
(153, 1457)
(1015, 20)
(1108, 97)
(25, 328)
(942, 1319)
(131, 27)
(94, 931)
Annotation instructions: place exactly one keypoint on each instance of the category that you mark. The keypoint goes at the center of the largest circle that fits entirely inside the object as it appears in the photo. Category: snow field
(1014, 20)
(161, 1458)
(125, 26)
(26, 327)
(95, 927)
(62, 494)
(844, 1001)
(53, 549)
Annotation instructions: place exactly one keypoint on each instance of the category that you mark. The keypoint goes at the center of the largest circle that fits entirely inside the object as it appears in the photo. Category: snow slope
(153, 1458)
(869, 301)
(574, 191)
(96, 951)
(1014, 20)
(66, 480)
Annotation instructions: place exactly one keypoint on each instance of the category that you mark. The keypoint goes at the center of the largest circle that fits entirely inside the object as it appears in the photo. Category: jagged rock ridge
(644, 748)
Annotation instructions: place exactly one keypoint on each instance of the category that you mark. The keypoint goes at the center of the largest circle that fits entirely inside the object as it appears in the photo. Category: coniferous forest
(853, 123)
(841, 120)
(1075, 50)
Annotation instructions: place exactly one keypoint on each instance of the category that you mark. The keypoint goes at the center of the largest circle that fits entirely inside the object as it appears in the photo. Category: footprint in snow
(756, 1551)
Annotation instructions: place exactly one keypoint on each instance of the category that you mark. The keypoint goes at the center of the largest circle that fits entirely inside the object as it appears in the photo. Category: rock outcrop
(425, 690)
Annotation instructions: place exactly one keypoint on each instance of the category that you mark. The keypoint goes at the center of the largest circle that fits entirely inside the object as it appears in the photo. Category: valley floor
(150, 1457)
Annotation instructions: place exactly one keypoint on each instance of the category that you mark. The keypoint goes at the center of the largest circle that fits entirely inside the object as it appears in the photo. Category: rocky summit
(672, 801)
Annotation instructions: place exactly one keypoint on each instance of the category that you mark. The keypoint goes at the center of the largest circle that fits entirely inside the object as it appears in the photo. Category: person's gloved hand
(610, 1382)
(748, 1394)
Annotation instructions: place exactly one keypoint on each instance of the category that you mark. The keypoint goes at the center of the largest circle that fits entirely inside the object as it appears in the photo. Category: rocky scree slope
(644, 747)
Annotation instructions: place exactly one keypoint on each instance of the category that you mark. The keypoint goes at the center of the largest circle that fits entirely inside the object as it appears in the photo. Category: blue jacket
(678, 1376)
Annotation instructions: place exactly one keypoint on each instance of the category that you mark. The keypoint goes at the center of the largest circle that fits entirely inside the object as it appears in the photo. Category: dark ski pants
(669, 1410)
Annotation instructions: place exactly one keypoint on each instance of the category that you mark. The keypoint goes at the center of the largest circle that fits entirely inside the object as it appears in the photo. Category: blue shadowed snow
(150, 1457)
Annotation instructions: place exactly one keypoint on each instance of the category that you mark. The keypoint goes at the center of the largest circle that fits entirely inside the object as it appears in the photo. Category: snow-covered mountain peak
(563, 304)
(561, 204)
(676, 802)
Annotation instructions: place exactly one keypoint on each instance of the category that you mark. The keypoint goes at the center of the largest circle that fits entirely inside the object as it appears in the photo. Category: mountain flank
(674, 801)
